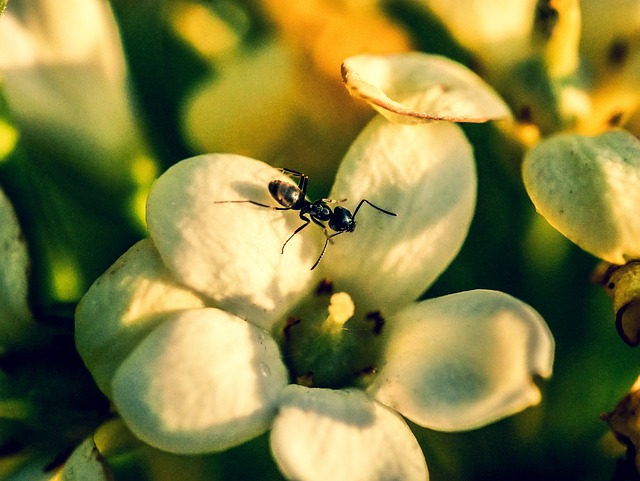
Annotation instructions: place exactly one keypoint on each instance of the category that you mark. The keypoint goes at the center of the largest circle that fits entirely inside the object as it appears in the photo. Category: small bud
(624, 421)
(622, 283)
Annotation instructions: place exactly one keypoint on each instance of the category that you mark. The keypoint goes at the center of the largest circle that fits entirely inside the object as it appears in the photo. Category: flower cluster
(209, 333)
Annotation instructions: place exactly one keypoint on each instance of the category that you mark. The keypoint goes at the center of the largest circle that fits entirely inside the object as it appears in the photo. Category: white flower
(64, 77)
(186, 332)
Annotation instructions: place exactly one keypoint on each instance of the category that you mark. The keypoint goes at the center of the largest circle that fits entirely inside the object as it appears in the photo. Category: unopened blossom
(209, 333)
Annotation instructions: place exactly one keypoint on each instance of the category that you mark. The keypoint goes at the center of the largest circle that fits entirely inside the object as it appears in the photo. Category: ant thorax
(320, 210)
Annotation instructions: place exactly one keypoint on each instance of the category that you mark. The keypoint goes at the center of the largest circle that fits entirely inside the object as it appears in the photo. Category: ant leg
(334, 201)
(372, 205)
(317, 222)
(250, 202)
(324, 248)
(306, 223)
(302, 183)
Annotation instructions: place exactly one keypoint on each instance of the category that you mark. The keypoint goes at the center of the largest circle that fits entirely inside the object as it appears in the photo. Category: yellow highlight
(67, 284)
(138, 207)
(198, 25)
(561, 55)
(143, 169)
(8, 139)
(341, 309)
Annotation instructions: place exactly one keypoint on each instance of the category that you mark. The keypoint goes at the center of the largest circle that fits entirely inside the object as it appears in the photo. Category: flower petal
(55, 63)
(232, 252)
(86, 464)
(426, 175)
(322, 434)
(588, 188)
(418, 87)
(465, 360)
(16, 322)
(122, 307)
(202, 381)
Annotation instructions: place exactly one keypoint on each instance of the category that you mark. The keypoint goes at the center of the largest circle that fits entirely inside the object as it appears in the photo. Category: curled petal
(322, 434)
(426, 175)
(122, 307)
(465, 360)
(588, 188)
(231, 252)
(418, 87)
(202, 381)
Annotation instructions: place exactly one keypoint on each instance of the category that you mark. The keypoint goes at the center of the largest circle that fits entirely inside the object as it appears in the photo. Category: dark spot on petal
(289, 323)
(305, 379)
(324, 288)
(378, 321)
(525, 114)
(546, 18)
(369, 370)
(618, 52)
(615, 119)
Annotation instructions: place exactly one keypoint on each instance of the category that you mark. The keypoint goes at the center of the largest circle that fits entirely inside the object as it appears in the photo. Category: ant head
(342, 220)
(285, 193)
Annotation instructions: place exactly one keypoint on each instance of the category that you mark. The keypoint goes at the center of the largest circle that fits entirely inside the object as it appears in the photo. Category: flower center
(326, 344)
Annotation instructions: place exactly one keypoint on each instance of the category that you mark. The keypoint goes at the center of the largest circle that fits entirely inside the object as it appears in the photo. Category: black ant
(293, 197)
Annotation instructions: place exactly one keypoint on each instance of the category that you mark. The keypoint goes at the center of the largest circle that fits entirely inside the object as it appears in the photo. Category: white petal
(231, 252)
(122, 306)
(588, 188)
(64, 77)
(16, 322)
(418, 87)
(322, 434)
(426, 175)
(465, 360)
(202, 381)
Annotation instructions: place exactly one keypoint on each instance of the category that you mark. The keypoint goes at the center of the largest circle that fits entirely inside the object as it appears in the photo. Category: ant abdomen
(286, 194)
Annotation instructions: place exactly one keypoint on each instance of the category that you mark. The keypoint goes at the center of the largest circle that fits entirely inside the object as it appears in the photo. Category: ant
(293, 197)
